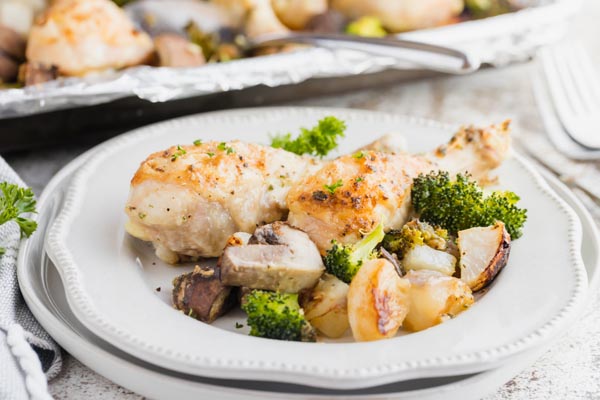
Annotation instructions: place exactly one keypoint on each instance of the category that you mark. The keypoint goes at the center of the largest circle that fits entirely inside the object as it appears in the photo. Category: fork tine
(554, 82)
(588, 77)
(572, 93)
(561, 57)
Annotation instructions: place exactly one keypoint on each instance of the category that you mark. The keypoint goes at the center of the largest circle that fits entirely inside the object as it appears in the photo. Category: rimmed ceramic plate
(44, 293)
(111, 279)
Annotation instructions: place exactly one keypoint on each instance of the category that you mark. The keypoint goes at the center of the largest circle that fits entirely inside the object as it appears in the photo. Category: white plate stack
(97, 290)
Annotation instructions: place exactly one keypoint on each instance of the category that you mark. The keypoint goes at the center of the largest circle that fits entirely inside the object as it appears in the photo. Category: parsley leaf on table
(14, 201)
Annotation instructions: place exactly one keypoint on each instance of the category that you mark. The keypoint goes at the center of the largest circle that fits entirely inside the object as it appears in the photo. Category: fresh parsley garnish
(359, 179)
(14, 202)
(210, 154)
(331, 188)
(358, 155)
(224, 147)
(197, 142)
(318, 141)
(180, 151)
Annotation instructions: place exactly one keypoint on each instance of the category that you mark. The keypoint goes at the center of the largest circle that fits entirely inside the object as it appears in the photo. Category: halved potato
(435, 298)
(423, 257)
(378, 301)
(484, 252)
(326, 307)
(295, 14)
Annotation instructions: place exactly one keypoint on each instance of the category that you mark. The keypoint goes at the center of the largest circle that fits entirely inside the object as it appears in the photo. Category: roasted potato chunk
(484, 252)
(434, 298)
(378, 301)
(326, 307)
(424, 257)
(295, 14)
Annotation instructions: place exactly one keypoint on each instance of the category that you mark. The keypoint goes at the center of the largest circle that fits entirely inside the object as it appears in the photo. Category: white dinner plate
(45, 296)
(44, 293)
(110, 278)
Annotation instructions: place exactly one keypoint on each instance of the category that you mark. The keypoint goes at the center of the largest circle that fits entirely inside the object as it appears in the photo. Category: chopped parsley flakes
(331, 188)
(180, 151)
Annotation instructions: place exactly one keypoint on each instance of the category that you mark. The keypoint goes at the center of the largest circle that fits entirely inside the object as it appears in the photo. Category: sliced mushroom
(12, 44)
(326, 306)
(435, 298)
(484, 251)
(32, 73)
(330, 21)
(9, 69)
(277, 257)
(201, 295)
(176, 51)
(12, 53)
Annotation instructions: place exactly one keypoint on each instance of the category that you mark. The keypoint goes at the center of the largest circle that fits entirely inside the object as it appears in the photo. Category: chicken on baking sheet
(316, 245)
(65, 38)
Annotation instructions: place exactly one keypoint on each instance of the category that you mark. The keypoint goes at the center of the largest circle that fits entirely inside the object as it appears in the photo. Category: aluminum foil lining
(496, 41)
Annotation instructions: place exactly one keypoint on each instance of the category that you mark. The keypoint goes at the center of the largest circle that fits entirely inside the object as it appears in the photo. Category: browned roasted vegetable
(325, 307)
(378, 301)
(12, 53)
(176, 51)
(12, 44)
(483, 253)
(201, 295)
(435, 298)
(277, 257)
(32, 73)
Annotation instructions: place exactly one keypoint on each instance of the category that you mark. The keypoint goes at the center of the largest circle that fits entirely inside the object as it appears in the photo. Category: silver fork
(575, 91)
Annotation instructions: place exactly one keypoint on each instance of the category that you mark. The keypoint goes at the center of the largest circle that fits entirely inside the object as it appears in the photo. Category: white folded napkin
(28, 355)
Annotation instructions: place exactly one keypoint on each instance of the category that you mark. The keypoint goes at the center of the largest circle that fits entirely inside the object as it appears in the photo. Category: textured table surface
(570, 370)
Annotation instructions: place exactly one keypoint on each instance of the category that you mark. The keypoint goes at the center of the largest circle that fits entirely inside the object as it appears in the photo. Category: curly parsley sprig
(14, 202)
(318, 141)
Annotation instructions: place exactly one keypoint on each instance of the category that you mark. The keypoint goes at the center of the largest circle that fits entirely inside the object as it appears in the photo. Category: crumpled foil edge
(495, 41)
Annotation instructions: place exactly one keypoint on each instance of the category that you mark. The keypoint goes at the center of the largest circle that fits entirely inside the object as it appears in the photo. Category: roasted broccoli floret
(317, 141)
(488, 8)
(415, 233)
(344, 261)
(277, 315)
(460, 204)
(367, 26)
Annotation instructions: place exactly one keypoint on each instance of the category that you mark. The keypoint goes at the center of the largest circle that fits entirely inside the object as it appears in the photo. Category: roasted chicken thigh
(80, 37)
(188, 200)
(352, 194)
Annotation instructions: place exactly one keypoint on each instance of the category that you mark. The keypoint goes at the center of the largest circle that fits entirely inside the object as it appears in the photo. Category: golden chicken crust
(189, 199)
(80, 37)
(353, 194)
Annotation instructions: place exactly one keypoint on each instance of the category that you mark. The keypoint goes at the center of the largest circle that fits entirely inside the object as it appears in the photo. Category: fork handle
(423, 55)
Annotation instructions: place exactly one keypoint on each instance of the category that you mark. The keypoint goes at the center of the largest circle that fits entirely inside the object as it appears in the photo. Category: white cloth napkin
(28, 355)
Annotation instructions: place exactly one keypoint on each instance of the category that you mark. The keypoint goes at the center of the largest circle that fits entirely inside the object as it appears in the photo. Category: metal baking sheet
(496, 41)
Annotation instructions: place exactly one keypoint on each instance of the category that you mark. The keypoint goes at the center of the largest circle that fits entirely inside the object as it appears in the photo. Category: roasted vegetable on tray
(63, 38)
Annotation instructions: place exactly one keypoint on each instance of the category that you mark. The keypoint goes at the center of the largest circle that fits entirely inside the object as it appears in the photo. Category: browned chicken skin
(373, 188)
(189, 200)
